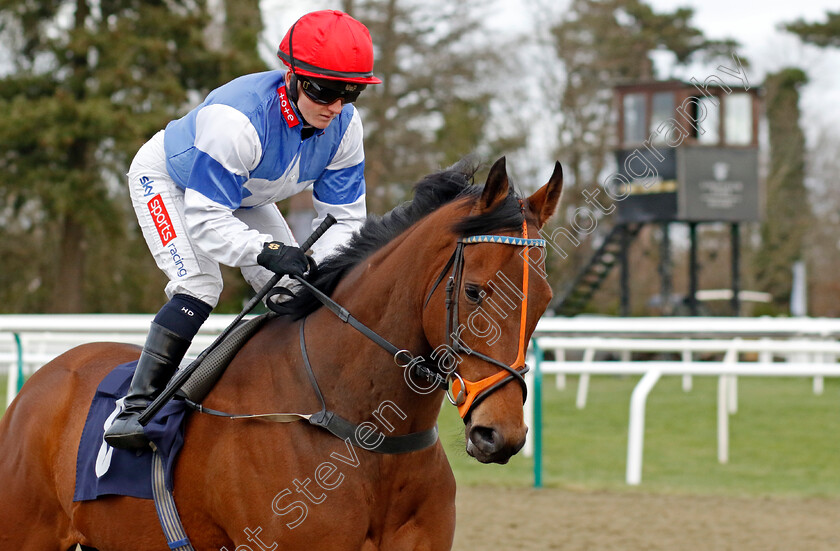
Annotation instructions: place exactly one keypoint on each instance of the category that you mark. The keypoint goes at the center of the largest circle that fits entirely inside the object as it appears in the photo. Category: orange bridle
(466, 394)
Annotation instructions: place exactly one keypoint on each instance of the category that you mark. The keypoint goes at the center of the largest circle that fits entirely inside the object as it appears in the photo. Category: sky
(749, 21)
(753, 23)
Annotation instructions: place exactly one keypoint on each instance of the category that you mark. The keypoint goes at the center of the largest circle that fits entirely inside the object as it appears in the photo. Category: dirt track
(527, 519)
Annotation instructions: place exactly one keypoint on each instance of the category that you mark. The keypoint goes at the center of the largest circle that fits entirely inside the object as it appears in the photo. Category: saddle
(102, 470)
(148, 474)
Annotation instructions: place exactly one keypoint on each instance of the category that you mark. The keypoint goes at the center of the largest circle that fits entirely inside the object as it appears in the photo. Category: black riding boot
(161, 355)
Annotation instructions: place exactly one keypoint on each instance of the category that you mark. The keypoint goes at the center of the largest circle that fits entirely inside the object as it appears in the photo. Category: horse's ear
(496, 188)
(544, 201)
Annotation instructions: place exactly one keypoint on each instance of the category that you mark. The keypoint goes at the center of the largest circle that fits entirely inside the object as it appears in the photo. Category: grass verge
(783, 440)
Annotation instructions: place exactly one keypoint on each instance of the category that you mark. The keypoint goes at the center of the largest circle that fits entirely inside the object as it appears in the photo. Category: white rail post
(732, 396)
(636, 431)
(819, 383)
(732, 357)
(765, 356)
(560, 356)
(723, 422)
(725, 405)
(583, 382)
(687, 382)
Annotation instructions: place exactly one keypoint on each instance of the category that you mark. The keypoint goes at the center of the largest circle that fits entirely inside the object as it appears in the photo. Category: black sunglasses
(326, 93)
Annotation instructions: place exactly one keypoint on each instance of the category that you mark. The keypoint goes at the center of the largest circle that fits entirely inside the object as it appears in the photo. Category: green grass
(784, 440)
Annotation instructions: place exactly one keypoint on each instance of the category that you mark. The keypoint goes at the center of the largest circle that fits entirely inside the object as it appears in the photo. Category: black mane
(430, 193)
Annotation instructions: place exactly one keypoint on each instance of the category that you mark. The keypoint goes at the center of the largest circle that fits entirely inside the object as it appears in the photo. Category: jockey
(204, 189)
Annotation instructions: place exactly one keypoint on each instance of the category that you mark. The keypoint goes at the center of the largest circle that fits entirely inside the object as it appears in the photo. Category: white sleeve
(214, 229)
(349, 218)
(227, 149)
(351, 150)
(340, 191)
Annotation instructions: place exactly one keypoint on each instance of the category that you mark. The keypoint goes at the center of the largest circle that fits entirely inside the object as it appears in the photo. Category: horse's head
(492, 292)
(468, 264)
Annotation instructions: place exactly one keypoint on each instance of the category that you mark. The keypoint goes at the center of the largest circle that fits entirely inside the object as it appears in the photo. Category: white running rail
(29, 341)
(770, 347)
(722, 347)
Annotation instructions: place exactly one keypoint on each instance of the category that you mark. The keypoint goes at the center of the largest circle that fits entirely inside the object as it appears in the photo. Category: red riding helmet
(329, 44)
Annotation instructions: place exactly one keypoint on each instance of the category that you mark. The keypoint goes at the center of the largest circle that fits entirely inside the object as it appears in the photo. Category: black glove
(283, 259)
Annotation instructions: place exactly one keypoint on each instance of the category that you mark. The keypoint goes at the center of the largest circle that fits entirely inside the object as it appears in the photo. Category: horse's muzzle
(487, 445)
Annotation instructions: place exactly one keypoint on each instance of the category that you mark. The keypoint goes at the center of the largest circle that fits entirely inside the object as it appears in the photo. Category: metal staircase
(589, 279)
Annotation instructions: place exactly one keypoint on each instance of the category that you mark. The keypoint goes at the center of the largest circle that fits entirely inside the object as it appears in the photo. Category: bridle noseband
(465, 394)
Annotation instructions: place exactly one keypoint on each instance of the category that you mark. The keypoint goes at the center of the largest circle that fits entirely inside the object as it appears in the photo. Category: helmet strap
(292, 88)
(292, 58)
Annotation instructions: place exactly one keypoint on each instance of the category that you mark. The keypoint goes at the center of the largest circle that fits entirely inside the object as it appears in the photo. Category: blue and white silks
(237, 150)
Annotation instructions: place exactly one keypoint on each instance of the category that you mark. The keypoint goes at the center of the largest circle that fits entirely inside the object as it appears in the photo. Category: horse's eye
(473, 293)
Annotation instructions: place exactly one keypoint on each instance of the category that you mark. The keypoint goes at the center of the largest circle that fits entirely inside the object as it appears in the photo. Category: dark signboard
(688, 183)
(652, 177)
(654, 207)
(718, 184)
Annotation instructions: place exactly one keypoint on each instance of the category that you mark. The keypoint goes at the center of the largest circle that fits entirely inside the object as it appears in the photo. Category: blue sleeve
(211, 179)
(342, 186)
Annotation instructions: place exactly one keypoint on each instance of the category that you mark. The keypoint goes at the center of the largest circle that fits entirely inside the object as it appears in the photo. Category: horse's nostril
(485, 439)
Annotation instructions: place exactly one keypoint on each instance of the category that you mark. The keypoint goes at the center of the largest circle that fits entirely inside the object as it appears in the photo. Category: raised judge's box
(687, 152)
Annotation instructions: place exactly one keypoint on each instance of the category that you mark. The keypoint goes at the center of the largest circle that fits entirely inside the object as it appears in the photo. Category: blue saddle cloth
(102, 470)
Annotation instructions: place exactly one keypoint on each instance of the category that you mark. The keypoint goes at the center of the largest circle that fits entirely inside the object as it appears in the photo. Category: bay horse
(248, 485)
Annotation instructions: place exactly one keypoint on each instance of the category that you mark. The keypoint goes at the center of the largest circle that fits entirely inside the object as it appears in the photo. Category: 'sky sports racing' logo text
(160, 216)
(147, 182)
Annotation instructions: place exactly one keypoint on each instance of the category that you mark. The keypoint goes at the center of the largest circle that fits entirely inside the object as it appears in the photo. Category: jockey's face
(318, 115)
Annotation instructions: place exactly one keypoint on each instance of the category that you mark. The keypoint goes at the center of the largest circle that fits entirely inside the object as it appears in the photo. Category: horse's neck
(384, 293)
